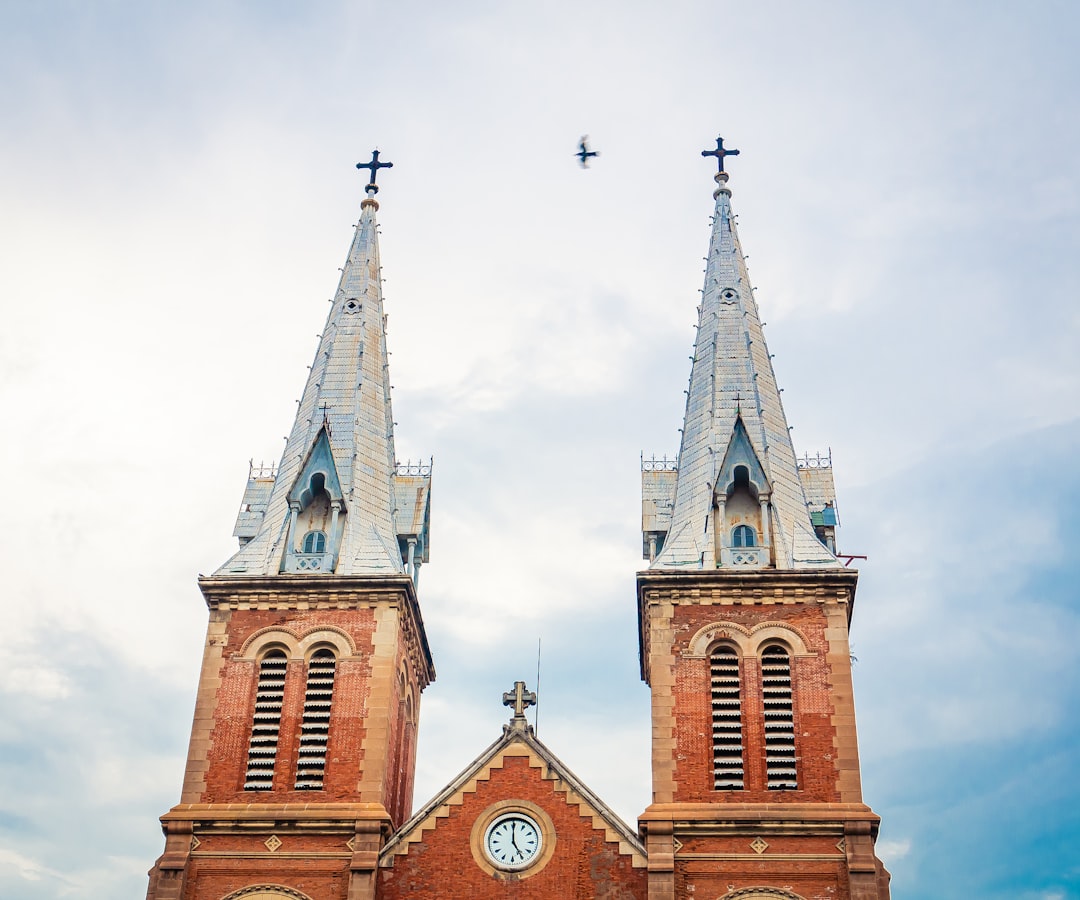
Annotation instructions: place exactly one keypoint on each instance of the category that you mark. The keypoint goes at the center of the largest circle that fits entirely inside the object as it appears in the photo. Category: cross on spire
(720, 152)
(374, 166)
(519, 698)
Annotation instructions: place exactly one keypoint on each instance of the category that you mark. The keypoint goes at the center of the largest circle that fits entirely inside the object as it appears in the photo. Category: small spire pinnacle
(371, 187)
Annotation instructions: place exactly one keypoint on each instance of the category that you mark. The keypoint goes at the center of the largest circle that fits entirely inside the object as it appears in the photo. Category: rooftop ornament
(371, 187)
(720, 152)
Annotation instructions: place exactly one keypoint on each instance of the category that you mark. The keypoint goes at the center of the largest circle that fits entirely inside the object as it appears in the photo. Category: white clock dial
(512, 841)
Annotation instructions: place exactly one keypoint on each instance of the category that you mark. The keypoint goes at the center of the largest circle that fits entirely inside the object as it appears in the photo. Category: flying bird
(584, 152)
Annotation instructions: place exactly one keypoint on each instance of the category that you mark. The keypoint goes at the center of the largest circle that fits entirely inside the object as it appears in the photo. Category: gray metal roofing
(348, 386)
(732, 375)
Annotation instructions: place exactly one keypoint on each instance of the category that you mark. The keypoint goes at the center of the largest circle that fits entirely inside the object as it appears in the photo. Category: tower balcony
(744, 557)
(309, 563)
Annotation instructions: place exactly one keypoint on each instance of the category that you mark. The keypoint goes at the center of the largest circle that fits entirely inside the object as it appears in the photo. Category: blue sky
(179, 190)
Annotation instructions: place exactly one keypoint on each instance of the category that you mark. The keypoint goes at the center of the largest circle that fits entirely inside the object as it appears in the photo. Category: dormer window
(743, 536)
(315, 542)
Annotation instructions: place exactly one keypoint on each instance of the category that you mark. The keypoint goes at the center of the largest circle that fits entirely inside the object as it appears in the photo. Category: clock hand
(513, 828)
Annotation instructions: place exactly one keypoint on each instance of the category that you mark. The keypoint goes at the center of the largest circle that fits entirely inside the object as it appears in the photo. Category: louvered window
(727, 729)
(779, 720)
(315, 730)
(262, 751)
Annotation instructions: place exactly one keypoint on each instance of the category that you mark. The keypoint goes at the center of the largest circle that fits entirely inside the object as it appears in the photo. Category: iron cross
(519, 698)
(374, 166)
(720, 153)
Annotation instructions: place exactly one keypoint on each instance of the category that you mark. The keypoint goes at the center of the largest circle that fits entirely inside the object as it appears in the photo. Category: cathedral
(299, 776)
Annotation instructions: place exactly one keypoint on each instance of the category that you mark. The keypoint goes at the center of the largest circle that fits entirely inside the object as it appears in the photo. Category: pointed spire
(738, 500)
(333, 505)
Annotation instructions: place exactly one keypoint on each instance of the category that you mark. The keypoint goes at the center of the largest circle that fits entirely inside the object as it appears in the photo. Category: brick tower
(744, 612)
(303, 745)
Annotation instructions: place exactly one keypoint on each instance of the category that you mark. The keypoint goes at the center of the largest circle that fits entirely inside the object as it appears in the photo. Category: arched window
(780, 760)
(315, 728)
(262, 749)
(743, 536)
(726, 720)
(315, 542)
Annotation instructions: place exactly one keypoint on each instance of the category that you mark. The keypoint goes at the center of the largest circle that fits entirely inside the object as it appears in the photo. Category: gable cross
(519, 698)
(720, 152)
(374, 166)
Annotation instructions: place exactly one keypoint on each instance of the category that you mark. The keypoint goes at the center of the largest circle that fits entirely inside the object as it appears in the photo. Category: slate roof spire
(337, 504)
(734, 433)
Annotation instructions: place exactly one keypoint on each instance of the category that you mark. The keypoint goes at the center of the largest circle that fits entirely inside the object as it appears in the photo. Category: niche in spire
(741, 507)
(316, 513)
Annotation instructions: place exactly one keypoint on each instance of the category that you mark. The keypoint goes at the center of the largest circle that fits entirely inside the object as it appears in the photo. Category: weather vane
(373, 167)
(720, 152)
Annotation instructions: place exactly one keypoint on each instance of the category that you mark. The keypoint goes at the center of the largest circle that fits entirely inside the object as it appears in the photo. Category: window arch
(743, 536)
(266, 724)
(780, 760)
(315, 542)
(727, 728)
(315, 727)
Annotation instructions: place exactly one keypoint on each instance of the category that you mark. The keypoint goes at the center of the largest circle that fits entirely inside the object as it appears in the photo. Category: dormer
(316, 513)
(741, 508)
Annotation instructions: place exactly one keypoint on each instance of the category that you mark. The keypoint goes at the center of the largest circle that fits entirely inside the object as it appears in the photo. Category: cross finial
(720, 152)
(373, 167)
(521, 699)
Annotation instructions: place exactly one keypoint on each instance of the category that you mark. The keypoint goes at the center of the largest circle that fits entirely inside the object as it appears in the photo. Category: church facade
(299, 776)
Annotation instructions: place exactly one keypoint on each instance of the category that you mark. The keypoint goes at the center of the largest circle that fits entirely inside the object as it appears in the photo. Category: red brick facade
(444, 860)
(321, 843)
(813, 842)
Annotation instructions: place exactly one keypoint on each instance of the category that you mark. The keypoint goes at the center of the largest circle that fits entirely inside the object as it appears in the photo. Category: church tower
(303, 745)
(744, 613)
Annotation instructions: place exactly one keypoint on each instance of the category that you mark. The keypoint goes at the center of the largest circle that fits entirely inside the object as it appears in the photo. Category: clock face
(512, 841)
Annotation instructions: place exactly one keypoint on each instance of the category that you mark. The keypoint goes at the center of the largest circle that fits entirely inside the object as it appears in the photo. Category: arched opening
(315, 727)
(266, 724)
(738, 512)
(727, 727)
(779, 707)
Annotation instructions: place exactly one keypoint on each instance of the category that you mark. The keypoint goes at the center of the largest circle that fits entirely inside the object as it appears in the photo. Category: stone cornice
(326, 591)
(717, 818)
(719, 587)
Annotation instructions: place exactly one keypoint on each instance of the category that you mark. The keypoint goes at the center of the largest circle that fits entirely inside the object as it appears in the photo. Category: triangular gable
(320, 461)
(515, 743)
(740, 452)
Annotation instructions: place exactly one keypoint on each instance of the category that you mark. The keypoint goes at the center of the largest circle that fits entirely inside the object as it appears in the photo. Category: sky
(179, 191)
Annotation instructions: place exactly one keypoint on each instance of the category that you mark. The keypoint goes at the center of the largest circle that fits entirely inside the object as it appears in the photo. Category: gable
(441, 851)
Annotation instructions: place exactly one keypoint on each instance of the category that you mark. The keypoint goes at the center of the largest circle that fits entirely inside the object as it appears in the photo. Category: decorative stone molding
(297, 645)
(266, 892)
(760, 893)
(748, 640)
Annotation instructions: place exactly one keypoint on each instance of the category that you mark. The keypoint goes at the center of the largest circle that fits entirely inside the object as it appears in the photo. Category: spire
(736, 500)
(333, 507)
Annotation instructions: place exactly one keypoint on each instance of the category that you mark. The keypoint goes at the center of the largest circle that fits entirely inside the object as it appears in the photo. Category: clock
(513, 841)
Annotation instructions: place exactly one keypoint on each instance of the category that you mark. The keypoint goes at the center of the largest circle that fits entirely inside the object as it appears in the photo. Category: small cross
(374, 166)
(720, 153)
(520, 699)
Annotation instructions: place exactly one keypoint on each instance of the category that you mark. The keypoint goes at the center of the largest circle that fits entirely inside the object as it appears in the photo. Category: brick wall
(815, 735)
(227, 754)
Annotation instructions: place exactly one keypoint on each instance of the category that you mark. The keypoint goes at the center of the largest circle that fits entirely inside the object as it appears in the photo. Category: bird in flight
(584, 153)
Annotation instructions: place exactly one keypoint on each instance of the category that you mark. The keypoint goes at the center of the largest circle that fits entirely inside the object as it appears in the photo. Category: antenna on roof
(536, 715)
